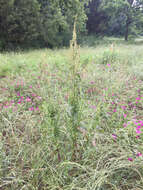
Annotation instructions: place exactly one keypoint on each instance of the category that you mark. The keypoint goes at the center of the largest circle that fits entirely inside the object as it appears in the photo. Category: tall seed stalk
(74, 95)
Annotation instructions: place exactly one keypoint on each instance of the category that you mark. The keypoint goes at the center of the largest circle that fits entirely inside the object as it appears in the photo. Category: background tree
(18, 21)
(23, 22)
(5, 9)
(43, 22)
(57, 19)
(130, 12)
(97, 18)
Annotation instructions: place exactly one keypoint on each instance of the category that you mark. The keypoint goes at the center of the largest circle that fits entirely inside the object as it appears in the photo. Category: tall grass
(72, 123)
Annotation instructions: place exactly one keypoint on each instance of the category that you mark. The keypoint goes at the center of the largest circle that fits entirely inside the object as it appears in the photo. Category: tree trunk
(128, 21)
(127, 28)
(127, 31)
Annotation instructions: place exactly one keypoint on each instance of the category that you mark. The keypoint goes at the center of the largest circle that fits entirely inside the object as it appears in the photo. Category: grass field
(65, 130)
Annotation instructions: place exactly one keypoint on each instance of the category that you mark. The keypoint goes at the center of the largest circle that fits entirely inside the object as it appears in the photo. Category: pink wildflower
(125, 125)
(14, 109)
(114, 136)
(39, 97)
(139, 154)
(28, 99)
(125, 115)
(12, 102)
(138, 98)
(123, 107)
(141, 123)
(93, 107)
(130, 159)
(34, 95)
(136, 122)
(31, 109)
(37, 109)
(138, 131)
(6, 106)
(18, 93)
(138, 127)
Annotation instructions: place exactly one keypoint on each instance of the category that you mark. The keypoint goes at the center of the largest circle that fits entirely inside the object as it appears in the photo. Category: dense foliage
(115, 17)
(48, 23)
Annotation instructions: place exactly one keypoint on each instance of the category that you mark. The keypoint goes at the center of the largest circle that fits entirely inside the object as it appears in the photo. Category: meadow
(72, 120)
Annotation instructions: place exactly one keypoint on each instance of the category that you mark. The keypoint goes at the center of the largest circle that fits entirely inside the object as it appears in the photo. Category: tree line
(49, 23)
(116, 17)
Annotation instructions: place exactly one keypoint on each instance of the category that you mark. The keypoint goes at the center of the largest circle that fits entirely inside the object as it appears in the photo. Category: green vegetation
(72, 122)
(39, 23)
(47, 23)
(127, 13)
(71, 118)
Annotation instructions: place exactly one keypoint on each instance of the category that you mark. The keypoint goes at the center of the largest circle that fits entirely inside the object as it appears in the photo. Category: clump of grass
(109, 56)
